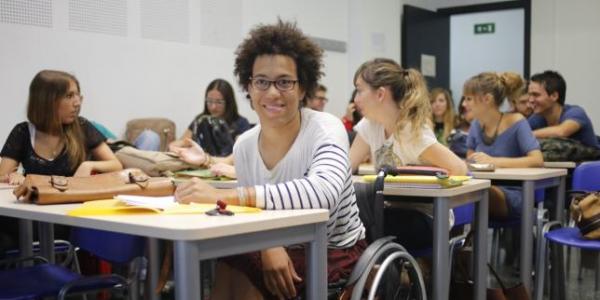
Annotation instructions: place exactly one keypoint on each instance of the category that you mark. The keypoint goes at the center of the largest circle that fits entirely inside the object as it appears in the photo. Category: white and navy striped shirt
(314, 173)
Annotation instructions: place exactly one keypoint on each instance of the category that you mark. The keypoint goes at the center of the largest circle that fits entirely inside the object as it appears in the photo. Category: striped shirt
(314, 173)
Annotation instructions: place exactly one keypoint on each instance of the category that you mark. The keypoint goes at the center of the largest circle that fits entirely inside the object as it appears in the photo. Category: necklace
(490, 140)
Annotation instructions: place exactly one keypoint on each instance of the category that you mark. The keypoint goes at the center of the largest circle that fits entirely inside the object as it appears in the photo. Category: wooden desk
(474, 190)
(531, 179)
(200, 237)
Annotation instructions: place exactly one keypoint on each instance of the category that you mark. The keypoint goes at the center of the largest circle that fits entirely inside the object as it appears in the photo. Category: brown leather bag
(585, 210)
(42, 189)
(165, 128)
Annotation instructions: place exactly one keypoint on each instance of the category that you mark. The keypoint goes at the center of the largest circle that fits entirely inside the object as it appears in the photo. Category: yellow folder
(421, 181)
(117, 207)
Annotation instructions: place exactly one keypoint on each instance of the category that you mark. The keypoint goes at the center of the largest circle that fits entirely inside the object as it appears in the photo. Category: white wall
(566, 37)
(128, 75)
(471, 54)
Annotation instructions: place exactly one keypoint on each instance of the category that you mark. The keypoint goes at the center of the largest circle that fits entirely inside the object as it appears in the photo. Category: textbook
(420, 181)
(6, 186)
(130, 205)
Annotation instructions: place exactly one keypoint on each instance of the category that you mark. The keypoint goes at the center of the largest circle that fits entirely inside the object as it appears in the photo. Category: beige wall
(565, 36)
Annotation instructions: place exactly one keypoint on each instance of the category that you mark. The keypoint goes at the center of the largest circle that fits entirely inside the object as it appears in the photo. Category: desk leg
(480, 261)
(527, 233)
(441, 268)
(560, 200)
(187, 271)
(153, 269)
(316, 260)
(46, 234)
(25, 237)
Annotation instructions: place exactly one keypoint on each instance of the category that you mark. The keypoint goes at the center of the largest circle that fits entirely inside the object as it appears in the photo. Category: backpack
(565, 149)
(165, 128)
(213, 135)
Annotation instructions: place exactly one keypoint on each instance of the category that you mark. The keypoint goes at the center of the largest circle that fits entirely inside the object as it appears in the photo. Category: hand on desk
(223, 169)
(197, 190)
(279, 273)
(481, 158)
(13, 178)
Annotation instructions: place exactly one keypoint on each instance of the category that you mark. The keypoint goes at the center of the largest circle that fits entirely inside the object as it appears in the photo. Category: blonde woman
(502, 139)
(443, 114)
(396, 130)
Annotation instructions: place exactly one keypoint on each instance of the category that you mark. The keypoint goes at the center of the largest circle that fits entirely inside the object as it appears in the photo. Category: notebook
(128, 205)
(6, 186)
(420, 181)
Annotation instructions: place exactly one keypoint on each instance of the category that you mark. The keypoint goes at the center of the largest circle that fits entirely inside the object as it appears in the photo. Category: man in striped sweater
(293, 159)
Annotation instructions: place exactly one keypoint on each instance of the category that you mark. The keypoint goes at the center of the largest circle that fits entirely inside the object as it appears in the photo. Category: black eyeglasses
(281, 84)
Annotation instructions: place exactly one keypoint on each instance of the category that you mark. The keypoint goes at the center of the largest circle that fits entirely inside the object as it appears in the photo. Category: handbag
(585, 210)
(43, 189)
(152, 163)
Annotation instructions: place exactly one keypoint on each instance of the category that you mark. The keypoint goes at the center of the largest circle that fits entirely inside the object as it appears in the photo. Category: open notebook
(126, 205)
(420, 181)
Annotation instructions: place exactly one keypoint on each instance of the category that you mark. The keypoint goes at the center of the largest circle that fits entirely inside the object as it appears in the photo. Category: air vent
(30, 12)
(100, 16)
(166, 20)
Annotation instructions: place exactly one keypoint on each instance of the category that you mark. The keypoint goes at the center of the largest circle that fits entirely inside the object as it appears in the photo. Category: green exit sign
(485, 28)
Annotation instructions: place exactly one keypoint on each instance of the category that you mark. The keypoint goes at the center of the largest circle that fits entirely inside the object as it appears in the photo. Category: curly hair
(409, 91)
(282, 38)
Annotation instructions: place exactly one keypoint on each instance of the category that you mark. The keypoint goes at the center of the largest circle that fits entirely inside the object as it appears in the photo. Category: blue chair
(585, 178)
(49, 280)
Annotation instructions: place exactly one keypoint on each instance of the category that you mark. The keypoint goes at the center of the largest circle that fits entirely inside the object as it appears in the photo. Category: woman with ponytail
(502, 139)
(396, 130)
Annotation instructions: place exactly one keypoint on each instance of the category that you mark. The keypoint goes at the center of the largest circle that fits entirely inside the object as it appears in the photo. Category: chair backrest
(365, 199)
(165, 128)
(463, 214)
(110, 246)
(585, 176)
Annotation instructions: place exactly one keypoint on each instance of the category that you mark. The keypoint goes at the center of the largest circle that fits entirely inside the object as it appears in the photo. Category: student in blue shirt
(502, 139)
(552, 117)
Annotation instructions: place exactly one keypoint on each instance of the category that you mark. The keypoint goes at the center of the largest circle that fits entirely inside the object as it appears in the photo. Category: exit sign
(485, 28)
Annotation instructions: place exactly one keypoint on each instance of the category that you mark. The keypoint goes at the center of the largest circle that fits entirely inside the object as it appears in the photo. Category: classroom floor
(577, 288)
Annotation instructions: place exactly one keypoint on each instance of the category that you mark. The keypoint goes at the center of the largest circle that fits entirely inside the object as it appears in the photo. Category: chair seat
(32, 282)
(572, 237)
(43, 281)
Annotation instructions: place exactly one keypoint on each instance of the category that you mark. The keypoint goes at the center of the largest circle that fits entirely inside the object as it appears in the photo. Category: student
(457, 141)
(318, 101)
(220, 104)
(351, 118)
(519, 100)
(443, 114)
(294, 158)
(55, 140)
(396, 131)
(552, 117)
(502, 139)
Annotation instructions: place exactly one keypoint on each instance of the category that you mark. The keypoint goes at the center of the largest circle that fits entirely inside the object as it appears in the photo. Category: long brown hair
(46, 90)
(449, 117)
(409, 92)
